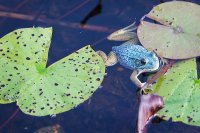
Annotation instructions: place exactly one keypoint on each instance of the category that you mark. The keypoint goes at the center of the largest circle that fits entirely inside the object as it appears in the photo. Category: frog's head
(150, 63)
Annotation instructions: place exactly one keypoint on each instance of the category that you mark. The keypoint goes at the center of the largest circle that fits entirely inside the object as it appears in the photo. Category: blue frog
(131, 55)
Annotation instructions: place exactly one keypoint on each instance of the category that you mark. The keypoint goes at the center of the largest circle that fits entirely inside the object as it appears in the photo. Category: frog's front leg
(135, 80)
(109, 60)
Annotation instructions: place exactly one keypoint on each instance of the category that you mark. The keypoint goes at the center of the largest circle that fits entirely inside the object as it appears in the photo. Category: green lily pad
(22, 54)
(178, 34)
(44, 91)
(180, 93)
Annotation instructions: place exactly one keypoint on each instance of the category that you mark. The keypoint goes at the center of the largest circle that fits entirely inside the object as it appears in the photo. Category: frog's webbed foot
(124, 34)
(134, 79)
(109, 60)
(164, 61)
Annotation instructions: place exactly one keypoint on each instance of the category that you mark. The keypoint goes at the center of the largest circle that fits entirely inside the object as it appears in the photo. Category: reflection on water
(113, 108)
(95, 11)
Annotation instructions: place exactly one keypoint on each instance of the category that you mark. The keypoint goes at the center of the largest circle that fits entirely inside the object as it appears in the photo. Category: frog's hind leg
(135, 80)
(109, 60)
(131, 42)
(124, 34)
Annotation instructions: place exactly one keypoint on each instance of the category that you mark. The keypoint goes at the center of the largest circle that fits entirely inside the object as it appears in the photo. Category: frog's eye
(143, 61)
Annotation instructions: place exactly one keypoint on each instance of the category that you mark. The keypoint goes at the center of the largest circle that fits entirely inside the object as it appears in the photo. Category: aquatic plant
(176, 35)
(180, 93)
(40, 90)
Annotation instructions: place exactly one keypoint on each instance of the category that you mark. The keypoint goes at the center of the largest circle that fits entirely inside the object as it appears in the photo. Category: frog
(131, 54)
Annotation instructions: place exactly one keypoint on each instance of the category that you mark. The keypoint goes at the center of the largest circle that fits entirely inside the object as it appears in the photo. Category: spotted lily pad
(178, 34)
(44, 91)
(180, 93)
(22, 54)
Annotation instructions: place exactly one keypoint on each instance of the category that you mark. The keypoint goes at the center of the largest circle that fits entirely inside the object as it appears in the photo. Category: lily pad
(180, 93)
(178, 34)
(23, 53)
(44, 91)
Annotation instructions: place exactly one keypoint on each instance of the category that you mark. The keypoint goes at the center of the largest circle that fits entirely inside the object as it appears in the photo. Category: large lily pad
(178, 34)
(180, 93)
(44, 91)
(22, 54)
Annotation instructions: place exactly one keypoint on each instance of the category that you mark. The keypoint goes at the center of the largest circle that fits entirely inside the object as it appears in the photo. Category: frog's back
(130, 50)
(129, 54)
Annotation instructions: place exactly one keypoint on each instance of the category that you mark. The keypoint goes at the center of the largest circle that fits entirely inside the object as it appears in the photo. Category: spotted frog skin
(131, 55)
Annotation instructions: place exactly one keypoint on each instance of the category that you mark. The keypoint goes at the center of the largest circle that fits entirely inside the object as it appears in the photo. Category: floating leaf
(39, 90)
(180, 93)
(179, 35)
(22, 54)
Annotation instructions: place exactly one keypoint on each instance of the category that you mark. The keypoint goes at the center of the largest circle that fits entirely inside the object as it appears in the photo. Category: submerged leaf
(44, 91)
(180, 93)
(179, 35)
(51, 129)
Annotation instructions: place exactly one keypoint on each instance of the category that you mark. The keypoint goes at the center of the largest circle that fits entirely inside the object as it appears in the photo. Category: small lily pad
(44, 91)
(180, 93)
(178, 34)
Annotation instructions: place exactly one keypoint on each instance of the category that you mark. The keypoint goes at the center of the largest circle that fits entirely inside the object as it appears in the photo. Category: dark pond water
(113, 108)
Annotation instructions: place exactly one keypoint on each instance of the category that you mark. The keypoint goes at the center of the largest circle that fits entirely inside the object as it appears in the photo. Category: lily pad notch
(177, 36)
(41, 91)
